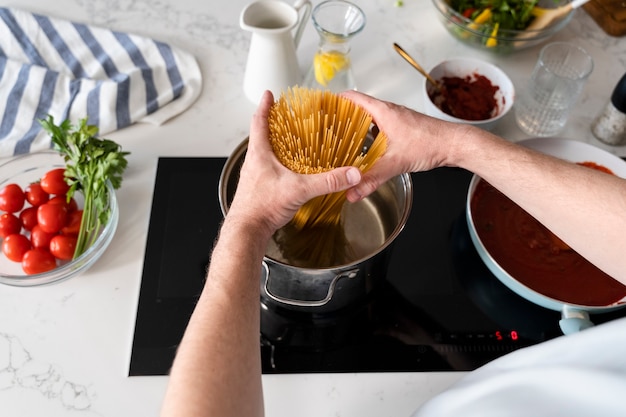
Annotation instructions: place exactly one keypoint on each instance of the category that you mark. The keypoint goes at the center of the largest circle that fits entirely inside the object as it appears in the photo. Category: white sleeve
(583, 374)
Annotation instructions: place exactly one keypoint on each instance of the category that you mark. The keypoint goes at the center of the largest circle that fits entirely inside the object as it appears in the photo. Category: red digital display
(512, 335)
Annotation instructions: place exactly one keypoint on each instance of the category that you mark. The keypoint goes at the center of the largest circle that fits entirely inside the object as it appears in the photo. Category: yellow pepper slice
(538, 11)
(483, 17)
(492, 41)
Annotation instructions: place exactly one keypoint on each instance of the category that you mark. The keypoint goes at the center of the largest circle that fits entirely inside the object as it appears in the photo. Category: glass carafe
(336, 22)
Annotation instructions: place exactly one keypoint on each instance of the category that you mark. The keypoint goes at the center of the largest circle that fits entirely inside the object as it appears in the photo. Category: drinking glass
(543, 107)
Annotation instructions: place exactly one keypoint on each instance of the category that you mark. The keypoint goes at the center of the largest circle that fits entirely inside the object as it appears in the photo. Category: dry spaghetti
(313, 131)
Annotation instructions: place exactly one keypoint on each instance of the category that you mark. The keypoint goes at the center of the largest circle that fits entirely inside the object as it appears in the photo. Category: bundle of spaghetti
(313, 131)
(320, 246)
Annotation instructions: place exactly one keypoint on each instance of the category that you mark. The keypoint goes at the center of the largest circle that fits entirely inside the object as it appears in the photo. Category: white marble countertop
(65, 348)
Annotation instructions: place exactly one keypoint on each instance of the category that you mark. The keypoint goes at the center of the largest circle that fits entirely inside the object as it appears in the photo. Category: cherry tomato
(52, 217)
(62, 199)
(11, 198)
(73, 223)
(38, 260)
(39, 238)
(9, 224)
(15, 246)
(53, 181)
(35, 194)
(63, 247)
(28, 216)
(468, 12)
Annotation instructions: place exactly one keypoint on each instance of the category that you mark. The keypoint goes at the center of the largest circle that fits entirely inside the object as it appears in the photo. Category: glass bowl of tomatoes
(502, 26)
(38, 239)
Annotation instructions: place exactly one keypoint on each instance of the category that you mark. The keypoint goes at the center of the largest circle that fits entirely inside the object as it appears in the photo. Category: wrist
(469, 144)
(242, 225)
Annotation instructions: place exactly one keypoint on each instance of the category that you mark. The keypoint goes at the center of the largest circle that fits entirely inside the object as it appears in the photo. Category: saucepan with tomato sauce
(532, 261)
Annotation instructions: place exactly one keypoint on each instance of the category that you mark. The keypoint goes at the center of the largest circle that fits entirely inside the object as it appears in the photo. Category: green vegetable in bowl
(90, 163)
(506, 14)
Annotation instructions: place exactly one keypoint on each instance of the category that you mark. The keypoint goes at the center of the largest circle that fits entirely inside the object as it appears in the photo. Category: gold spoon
(417, 66)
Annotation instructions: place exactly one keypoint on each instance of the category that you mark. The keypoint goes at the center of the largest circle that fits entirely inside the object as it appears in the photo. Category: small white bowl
(464, 67)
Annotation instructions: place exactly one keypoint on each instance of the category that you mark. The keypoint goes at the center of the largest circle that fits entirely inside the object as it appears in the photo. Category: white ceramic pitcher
(276, 31)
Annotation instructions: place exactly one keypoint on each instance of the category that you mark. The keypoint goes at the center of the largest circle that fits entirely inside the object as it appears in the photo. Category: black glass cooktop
(439, 308)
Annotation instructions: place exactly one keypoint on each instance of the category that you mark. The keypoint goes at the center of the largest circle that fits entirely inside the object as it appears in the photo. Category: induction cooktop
(438, 308)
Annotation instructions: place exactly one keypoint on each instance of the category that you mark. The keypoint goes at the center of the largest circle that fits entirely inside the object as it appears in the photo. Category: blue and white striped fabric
(71, 71)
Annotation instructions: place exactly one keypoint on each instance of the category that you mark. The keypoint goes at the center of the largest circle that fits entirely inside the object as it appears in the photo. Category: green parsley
(91, 163)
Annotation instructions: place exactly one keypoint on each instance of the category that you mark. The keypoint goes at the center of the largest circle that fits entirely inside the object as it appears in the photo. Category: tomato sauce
(595, 166)
(468, 98)
(534, 256)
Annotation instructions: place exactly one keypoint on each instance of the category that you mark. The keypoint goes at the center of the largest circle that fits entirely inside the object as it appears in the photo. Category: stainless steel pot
(370, 228)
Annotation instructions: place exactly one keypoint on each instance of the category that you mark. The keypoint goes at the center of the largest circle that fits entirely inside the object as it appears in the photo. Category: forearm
(217, 370)
(580, 205)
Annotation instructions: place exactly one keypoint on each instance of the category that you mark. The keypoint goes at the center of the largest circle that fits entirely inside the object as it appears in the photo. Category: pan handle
(307, 303)
(574, 320)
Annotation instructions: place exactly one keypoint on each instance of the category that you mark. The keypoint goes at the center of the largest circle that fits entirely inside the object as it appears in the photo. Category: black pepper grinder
(610, 125)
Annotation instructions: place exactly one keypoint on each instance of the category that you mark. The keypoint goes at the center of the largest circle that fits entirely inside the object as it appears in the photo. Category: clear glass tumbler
(336, 22)
(543, 107)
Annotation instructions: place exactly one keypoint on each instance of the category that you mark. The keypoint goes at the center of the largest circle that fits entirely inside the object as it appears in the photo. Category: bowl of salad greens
(499, 26)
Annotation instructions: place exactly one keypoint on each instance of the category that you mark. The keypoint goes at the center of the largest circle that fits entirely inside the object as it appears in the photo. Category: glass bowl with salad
(500, 26)
(58, 208)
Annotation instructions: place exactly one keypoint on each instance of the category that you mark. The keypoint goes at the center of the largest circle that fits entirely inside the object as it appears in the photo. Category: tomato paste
(534, 256)
(468, 98)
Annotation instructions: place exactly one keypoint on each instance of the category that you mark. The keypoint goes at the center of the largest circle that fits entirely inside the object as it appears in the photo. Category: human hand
(269, 194)
(416, 142)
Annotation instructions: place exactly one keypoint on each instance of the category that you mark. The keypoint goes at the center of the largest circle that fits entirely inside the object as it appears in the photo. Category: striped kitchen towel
(71, 71)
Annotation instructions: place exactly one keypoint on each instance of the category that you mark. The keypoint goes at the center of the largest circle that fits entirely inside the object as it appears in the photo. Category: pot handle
(309, 303)
(574, 320)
